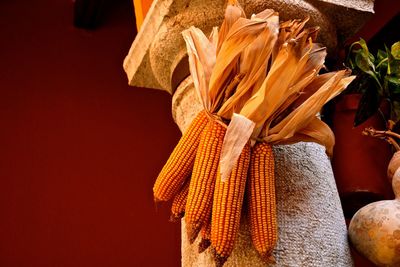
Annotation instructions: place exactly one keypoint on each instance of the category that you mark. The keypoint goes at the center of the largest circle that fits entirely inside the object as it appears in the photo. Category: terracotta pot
(359, 162)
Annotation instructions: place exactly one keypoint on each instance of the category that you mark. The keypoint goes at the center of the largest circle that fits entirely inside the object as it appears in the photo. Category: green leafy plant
(377, 79)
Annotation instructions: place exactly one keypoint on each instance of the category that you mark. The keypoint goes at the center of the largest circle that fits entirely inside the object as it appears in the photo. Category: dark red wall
(79, 148)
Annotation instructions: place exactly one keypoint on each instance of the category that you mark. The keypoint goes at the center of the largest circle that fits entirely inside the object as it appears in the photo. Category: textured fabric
(311, 225)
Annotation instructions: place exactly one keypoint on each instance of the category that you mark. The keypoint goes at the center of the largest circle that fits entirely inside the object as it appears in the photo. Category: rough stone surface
(168, 44)
(312, 230)
(347, 16)
(362, 5)
(185, 104)
(159, 47)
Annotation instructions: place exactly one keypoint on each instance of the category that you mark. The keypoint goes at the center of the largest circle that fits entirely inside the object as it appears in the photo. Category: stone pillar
(312, 230)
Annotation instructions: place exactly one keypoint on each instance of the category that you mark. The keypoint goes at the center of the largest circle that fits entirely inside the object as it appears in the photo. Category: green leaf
(381, 55)
(393, 85)
(393, 79)
(381, 61)
(393, 65)
(363, 62)
(395, 50)
(382, 65)
(363, 45)
(366, 53)
(369, 104)
(371, 60)
(363, 50)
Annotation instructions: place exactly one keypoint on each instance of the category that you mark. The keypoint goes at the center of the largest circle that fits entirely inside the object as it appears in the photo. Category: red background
(79, 148)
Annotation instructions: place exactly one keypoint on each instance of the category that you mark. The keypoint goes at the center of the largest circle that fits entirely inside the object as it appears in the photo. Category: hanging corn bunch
(259, 84)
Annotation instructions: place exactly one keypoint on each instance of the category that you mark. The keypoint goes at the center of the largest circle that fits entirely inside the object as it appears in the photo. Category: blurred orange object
(141, 8)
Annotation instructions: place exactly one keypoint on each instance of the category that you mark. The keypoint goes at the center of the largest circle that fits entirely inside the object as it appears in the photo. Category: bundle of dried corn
(259, 84)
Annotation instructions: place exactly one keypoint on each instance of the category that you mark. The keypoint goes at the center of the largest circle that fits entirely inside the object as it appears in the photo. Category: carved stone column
(312, 230)
(157, 56)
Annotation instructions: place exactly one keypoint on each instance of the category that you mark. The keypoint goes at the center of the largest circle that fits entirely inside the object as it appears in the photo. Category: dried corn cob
(205, 236)
(227, 207)
(261, 200)
(180, 162)
(179, 203)
(201, 189)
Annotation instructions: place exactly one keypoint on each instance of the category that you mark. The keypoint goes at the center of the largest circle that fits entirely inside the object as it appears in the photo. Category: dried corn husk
(239, 131)
(201, 52)
(242, 34)
(302, 115)
(212, 74)
(288, 75)
(253, 65)
(262, 78)
(315, 131)
(293, 94)
(232, 13)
